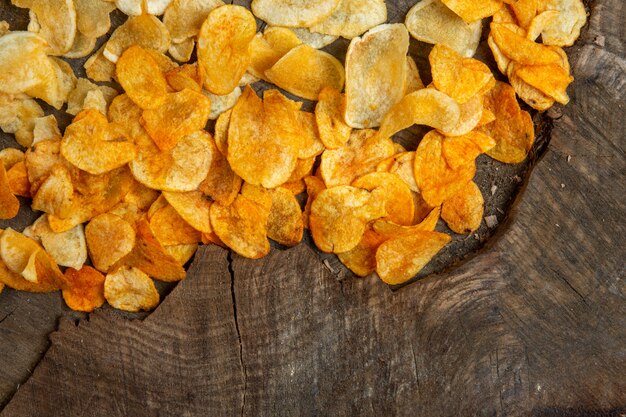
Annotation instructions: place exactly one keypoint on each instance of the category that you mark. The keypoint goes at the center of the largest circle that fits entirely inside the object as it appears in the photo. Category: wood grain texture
(534, 325)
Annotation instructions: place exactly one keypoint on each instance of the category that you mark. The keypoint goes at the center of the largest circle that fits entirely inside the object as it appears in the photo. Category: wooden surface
(535, 324)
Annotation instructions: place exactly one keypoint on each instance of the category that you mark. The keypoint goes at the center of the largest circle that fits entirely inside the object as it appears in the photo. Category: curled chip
(223, 44)
(264, 138)
(375, 74)
(352, 18)
(262, 56)
(470, 116)
(193, 207)
(305, 71)
(54, 21)
(402, 166)
(311, 145)
(523, 12)
(182, 51)
(460, 150)
(130, 289)
(221, 183)
(432, 22)
(99, 68)
(144, 31)
(436, 180)
(281, 40)
(76, 100)
(170, 228)
(11, 156)
(551, 80)
(424, 107)
(314, 39)
(242, 226)
(565, 28)
(82, 46)
(539, 22)
(181, 114)
(18, 115)
(471, 11)
(460, 78)
(295, 13)
(221, 131)
(109, 239)
(284, 224)
(304, 168)
(9, 204)
(55, 89)
(84, 289)
(532, 96)
(182, 253)
(184, 18)
(516, 47)
(359, 156)
(94, 145)
(221, 104)
(413, 80)
(362, 258)
(392, 192)
(463, 212)
(46, 128)
(339, 216)
(314, 186)
(399, 259)
(513, 128)
(141, 77)
(329, 111)
(66, 248)
(54, 194)
(92, 17)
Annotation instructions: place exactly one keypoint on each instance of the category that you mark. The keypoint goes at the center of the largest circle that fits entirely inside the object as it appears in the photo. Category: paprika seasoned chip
(517, 48)
(284, 224)
(193, 207)
(109, 239)
(141, 77)
(67, 248)
(362, 258)
(314, 186)
(221, 183)
(463, 212)
(402, 166)
(130, 289)
(329, 111)
(144, 31)
(170, 228)
(17, 177)
(24, 256)
(294, 13)
(352, 18)
(470, 116)
(84, 289)
(392, 192)
(459, 150)
(311, 145)
(9, 204)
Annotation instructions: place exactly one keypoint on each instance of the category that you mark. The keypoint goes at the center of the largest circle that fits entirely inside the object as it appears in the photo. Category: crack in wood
(229, 259)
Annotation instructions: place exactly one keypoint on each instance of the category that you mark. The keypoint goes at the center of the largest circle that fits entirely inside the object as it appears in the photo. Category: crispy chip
(182, 51)
(296, 13)
(84, 289)
(284, 224)
(390, 230)
(193, 207)
(144, 31)
(139, 74)
(463, 212)
(55, 22)
(517, 48)
(432, 22)
(10, 157)
(77, 97)
(9, 204)
(18, 115)
(329, 112)
(539, 22)
(186, 76)
(223, 44)
(314, 39)
(98, 68)
(281, 40)
(55, 89)
(413, 80)
(513, 128)
(221, 132)
(221, 104)
(530, 95)
(311, 145)
(402, 166)
(425, 107)
(460, 150)
(66, 248)
(375, 74)
(524, 11)
(295, 187)
(109, 239)
(470, 117)
(392, 192)
(82, 47)
(23, 62)
(184, 18)
(436, 180)
(171, 229)
(552, 80)
(40, 161)
(352, 18)
(362, 258)
(46, 128)
(304, 168)
(92, 17)
(24, 256)
(130, 289)
(314, 186)
(471, 11)
(565, 28)
(221, 183)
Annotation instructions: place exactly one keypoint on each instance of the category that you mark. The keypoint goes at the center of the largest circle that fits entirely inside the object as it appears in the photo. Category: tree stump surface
(534, 324)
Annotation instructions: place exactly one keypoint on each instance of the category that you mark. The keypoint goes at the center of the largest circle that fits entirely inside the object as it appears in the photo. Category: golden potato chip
(413, 80)
(305, 71)
(184, 18)
(220, 104)
(156, 7)
(92, 17)
(182, 253)
(552, 80)
(524, 11)
(258, 195)
(85, 289)
(221, 183)
(513, 128)
(352, 18)
(362, 258)
(392, 192)
(565, 28)
(55, 22)
(182, 51)
(55, 89)
(130, 7)
(143, 31)
(82, 47)
(185, 77)
(436, 180)
(486, 117)
(181, 114)
(76, 98)
(109, 239)
(311, 145)
(40, 160)
(529, 94)
(304, 168)
(10, 157)
(314, 39)
(295, 187)
(329, 112)
(223, 44)
(459, 150)
(432, 22)
(18, 115)
(149, 256)
(284, 224)
(399, 259)
(139, 74)
(264, 138)
(539, 22)
(170, 228)
(163, 61)
(391, 230)
(141, 196)
(281, 40)
(296, 13)
(359, 156)
(94, 145)
(9, 204)
(517, 48)
(46, 128)
(463, 212)
(23, 62)
(4, 27)
(66, 248)
(193, 207)
(221, 131)
(242, 226)
(314, 186)
(375, 74)
(130, 289)
(423, 107)
(181, 169)
(402, 166)
(99, 68)
(471, 11)
(471, 114)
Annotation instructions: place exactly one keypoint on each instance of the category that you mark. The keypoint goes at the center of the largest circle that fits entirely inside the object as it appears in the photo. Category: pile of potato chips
(136, 182)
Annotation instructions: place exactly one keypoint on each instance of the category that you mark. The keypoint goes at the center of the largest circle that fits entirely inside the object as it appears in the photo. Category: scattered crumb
(517, 178)
(557, 225)
(327, 265)
(494, 188)
(491, 221)
(569, 158)
(599, 40)
(476, 236)
(500, 210)
(562, 185)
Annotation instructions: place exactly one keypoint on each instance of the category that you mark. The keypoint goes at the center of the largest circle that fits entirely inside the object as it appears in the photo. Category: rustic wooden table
(535, 324)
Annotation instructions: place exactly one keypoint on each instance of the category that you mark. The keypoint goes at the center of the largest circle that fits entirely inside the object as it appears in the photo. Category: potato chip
(182, 51)
(109, 239)
(295, 187)
(92, 17)
(530, 95)
(471, 114)
(157, 205)
(46, 128)
(130, 7)
(432, 22)
(183, 18)
(258, 195)
(149, 256)
(55, 89)
(40, 160)
(223, 44)
(23, 62)
(49, 15)
(413, 80)
(471, 11)
(170, 228)
(281, 40)
(375, 74)
(314, 39)
(220, 104)
(329, 111)
(9, 204)
(85, 289)
(359, 156)
(129, 289)
(193, 207)
(517, 48)
(242, 226)
(95, 146)
(402, 166)
(156, 7)
(76, 98)
(424, 107)
(82, 47)
(18, 115)
(221, 131)
(182, 253)
(66, 248)
(463, 212)
(144, 31)
(352, 18)
(565, 28)
(400, 259)
(552, 80)
(186, 76)
(284, 224)
(392, 192)
(314, 186)
(304, 168)
(339, 216)
(362, 258)
(311, 145)
(460, 150)
(10, 157)
(539, 22)
(391, 230)
(221, 183)
(296, 13)
(436, 180)
(139, 74)
(24, 256)
(262, 56)
(524, 11)
(99, 68)
(513, 128)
